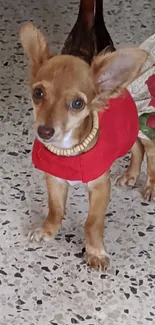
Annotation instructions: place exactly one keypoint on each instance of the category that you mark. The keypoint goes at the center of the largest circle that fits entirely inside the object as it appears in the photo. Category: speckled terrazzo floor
(50, 283)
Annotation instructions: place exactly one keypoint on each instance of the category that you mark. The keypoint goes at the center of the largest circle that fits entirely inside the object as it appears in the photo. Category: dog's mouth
(58, 139)
(47, 134)
(53, 140)
(43, 140)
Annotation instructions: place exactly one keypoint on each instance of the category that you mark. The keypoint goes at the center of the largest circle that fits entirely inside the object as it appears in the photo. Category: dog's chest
(68, 141)
(70, 183)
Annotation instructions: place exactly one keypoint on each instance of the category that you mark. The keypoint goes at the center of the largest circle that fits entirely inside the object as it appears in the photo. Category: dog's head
(65, 89)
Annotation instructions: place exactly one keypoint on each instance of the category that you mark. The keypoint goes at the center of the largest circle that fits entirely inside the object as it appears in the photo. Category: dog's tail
(89, 35)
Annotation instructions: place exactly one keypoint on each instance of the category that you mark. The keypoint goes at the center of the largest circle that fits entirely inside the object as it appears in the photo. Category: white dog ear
(113, 72)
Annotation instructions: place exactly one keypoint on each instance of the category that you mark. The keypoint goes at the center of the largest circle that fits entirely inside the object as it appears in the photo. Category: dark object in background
(89, 35)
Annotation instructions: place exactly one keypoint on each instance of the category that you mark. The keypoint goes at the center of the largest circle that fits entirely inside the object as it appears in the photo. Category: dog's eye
(77, 104)
(38, 93)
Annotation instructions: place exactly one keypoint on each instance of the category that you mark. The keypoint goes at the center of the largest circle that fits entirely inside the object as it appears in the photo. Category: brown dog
(66, 92)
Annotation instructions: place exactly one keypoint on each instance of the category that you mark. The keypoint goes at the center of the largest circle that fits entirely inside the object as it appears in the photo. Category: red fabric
(119, 128)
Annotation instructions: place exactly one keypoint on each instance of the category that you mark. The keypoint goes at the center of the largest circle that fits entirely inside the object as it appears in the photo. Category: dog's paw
(149, 193)
(39, 234)
(98, 261)
(126, 180)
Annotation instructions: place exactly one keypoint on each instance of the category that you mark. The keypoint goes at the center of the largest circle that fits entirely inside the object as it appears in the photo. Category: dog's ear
(113, 72)
(35, 46)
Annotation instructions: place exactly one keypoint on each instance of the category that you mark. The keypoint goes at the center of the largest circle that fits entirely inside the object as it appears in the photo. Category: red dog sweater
(118, 127)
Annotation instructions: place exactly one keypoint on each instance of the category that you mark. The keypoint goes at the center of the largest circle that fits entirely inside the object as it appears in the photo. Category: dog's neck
(81, 133)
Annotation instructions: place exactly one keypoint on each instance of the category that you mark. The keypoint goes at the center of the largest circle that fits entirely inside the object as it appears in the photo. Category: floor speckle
(49, 283)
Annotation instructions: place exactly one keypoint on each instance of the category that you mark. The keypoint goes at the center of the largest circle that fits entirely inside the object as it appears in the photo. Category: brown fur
(63, 78)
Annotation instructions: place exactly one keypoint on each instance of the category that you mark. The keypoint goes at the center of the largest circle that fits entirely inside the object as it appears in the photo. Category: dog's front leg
(57, 195)
(99, 196)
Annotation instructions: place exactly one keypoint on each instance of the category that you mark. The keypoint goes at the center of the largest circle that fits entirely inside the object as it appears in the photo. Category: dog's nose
(45, 132)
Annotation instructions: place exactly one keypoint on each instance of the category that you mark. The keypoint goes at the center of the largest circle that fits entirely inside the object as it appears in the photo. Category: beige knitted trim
(80, 147)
